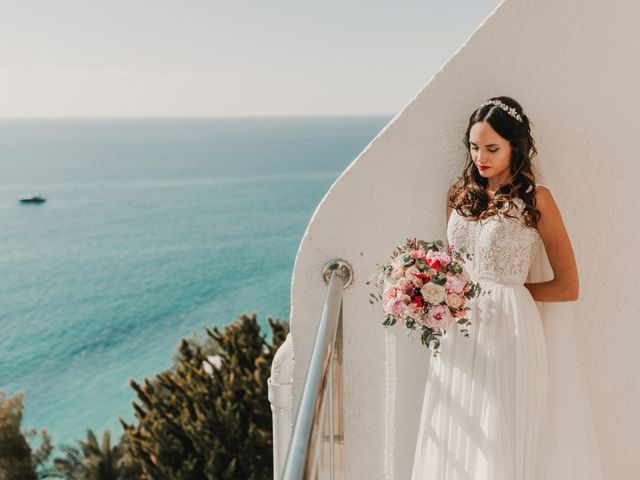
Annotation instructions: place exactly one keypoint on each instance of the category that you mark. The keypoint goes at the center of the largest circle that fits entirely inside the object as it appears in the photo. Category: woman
(487, 399)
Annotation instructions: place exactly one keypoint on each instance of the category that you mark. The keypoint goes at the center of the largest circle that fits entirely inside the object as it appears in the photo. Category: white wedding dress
(500, 405)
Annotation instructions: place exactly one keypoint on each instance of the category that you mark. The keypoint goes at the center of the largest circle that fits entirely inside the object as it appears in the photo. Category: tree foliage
(93, 460)
(15, 453)
(209, 420)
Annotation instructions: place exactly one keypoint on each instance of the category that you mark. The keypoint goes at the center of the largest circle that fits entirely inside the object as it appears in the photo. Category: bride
(492, 408)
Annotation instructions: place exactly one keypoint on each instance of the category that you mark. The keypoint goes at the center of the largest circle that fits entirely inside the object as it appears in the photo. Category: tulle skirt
(486, 406)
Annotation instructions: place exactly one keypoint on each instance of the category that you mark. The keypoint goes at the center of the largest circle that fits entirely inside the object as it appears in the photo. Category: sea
(152, 229)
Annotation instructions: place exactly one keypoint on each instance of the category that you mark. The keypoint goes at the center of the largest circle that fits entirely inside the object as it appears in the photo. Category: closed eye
(492, 151)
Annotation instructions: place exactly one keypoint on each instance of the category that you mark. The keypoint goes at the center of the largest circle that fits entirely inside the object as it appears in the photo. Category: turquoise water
(152, 230)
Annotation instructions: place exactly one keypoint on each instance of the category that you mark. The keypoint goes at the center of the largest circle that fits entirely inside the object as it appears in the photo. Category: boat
(32, 199)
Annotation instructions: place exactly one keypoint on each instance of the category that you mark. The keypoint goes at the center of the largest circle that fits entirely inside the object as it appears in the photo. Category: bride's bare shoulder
(544, 198)
(550, 225)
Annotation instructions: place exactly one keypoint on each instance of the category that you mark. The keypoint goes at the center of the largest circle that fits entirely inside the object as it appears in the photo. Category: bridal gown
(487, 412)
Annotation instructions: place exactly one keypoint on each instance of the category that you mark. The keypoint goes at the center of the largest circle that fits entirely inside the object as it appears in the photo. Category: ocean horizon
(152, 230)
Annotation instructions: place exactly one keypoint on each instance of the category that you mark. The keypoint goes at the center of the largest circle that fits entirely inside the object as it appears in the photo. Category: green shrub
(92, 460)
(197, 421)
(15, 454)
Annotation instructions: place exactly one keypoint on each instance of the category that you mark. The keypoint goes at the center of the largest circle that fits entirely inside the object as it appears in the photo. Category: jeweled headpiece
(510, 110)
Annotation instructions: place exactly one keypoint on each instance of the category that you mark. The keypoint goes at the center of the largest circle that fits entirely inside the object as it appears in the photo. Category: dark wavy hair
(468, 195)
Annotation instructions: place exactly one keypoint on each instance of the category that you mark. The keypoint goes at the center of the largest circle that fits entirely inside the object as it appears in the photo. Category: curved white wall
(573, 66)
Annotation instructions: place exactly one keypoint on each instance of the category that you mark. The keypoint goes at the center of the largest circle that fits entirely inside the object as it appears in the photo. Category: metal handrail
(316, 447)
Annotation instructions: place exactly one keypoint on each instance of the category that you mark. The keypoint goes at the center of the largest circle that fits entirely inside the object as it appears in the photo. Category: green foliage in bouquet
(209, 420)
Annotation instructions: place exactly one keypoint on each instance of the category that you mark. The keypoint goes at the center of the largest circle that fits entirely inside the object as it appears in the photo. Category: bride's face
(490, 150)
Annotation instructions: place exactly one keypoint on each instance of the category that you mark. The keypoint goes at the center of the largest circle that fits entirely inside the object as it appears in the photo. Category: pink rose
(454, 284)
(418, 254)
(439, 317)
(437, 260)
(389, 293)
(396, 307)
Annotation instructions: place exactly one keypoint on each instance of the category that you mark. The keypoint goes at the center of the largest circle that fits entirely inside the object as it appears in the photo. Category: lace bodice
(503, 248)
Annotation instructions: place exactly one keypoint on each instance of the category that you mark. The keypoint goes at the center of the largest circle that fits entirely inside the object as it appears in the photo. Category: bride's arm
(565, 283)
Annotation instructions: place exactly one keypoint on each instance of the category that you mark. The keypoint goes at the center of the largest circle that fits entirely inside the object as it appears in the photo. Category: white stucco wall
(573, 66)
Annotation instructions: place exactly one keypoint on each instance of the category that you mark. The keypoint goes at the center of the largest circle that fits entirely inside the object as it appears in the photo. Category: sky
(193, 58)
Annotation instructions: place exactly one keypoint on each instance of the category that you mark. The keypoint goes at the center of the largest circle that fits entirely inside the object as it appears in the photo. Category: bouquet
(426, 287)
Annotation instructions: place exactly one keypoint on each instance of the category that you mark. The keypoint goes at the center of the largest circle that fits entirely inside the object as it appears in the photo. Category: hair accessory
(510, 110)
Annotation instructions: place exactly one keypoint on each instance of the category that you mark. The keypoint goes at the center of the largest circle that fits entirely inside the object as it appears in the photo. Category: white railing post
(279, 384)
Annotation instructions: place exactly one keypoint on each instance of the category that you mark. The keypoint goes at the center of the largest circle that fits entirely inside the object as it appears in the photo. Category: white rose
(433, 293)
